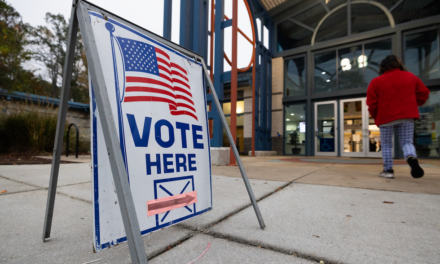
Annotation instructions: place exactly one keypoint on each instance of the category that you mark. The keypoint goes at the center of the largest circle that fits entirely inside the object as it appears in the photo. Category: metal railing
(77, 140)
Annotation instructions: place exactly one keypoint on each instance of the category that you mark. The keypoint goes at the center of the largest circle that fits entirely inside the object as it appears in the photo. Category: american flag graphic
(150, 76)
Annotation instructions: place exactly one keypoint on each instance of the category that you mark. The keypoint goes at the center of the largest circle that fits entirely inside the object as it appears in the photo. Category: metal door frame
(336, 122)
(341, 115)
(365, 131)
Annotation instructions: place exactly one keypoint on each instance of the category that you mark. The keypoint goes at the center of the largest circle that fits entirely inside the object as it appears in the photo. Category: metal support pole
(211, 44)
(111, 137)
(167, 19)
(234, 148)
(234, 81)
(218, 69)
(254, 72)
(61, 122)
(186, 24)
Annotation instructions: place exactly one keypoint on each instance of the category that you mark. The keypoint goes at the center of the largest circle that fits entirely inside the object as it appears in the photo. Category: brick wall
(277, 104)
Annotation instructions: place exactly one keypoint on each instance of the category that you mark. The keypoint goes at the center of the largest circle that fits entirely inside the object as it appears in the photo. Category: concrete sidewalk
(306, 223)
(345, 172)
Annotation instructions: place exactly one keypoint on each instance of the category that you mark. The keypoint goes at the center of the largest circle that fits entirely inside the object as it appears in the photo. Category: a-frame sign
(149, 130)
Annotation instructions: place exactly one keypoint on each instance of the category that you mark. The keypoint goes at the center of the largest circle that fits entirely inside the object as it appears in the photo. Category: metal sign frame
(79, 17)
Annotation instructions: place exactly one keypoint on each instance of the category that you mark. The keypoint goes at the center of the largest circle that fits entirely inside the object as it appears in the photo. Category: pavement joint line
(72, 197)
(30, 184)
(70, 184)
(264, 246)
(21, 191)
(307, 174)
(157, 253)
(205, 227)
(39, 188)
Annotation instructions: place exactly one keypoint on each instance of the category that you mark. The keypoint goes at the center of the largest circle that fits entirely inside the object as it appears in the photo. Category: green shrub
(24, 129)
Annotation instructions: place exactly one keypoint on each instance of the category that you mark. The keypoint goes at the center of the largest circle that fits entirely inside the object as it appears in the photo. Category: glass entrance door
(360, 137)
(372, 137)
(326, 127)
(352, 133)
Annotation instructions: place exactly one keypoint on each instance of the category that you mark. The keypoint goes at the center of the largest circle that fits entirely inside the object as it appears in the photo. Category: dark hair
(391, 62)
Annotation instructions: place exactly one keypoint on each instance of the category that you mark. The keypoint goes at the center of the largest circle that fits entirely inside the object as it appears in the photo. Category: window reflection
(375, 52)
(422, 54)
(295, 77)
(427, 128)
(325, 72)
(350, 71)
(357, 66)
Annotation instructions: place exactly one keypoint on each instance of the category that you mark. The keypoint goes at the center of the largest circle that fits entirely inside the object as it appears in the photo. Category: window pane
(295, 129)
(240, 120)
(325, 141)
(240, 107)
(410, 10)
(350, 67)
(427, 128)
(334, 26)
(325, 72)
(290, 36)
(422, 54)
(374, 53)
(295, 77)
(367, 17)
(227, 108)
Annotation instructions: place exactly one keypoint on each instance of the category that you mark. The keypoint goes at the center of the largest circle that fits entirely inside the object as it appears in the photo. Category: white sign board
(157, 98)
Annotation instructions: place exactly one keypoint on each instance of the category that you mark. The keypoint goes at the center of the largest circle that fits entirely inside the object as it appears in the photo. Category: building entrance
(348, 131)
(360, 137)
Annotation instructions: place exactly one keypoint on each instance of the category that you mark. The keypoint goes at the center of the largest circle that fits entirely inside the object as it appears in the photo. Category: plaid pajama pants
(405, 131)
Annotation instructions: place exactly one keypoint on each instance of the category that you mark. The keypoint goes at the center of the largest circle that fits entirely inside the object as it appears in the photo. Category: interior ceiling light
(287, 119)
(328, 80)
(292, 114)
(323, 72)
(345, 64)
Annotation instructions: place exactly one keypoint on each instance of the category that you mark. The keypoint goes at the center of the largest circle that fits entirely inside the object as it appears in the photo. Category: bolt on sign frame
(80, 17)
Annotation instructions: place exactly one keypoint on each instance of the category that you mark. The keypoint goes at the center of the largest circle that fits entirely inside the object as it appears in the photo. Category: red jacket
(395, 95)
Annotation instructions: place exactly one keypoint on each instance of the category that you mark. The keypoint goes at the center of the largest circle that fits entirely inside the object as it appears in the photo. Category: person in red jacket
(393, 99)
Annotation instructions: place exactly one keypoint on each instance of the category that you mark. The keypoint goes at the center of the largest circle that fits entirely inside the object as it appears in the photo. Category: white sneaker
(388, 174)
